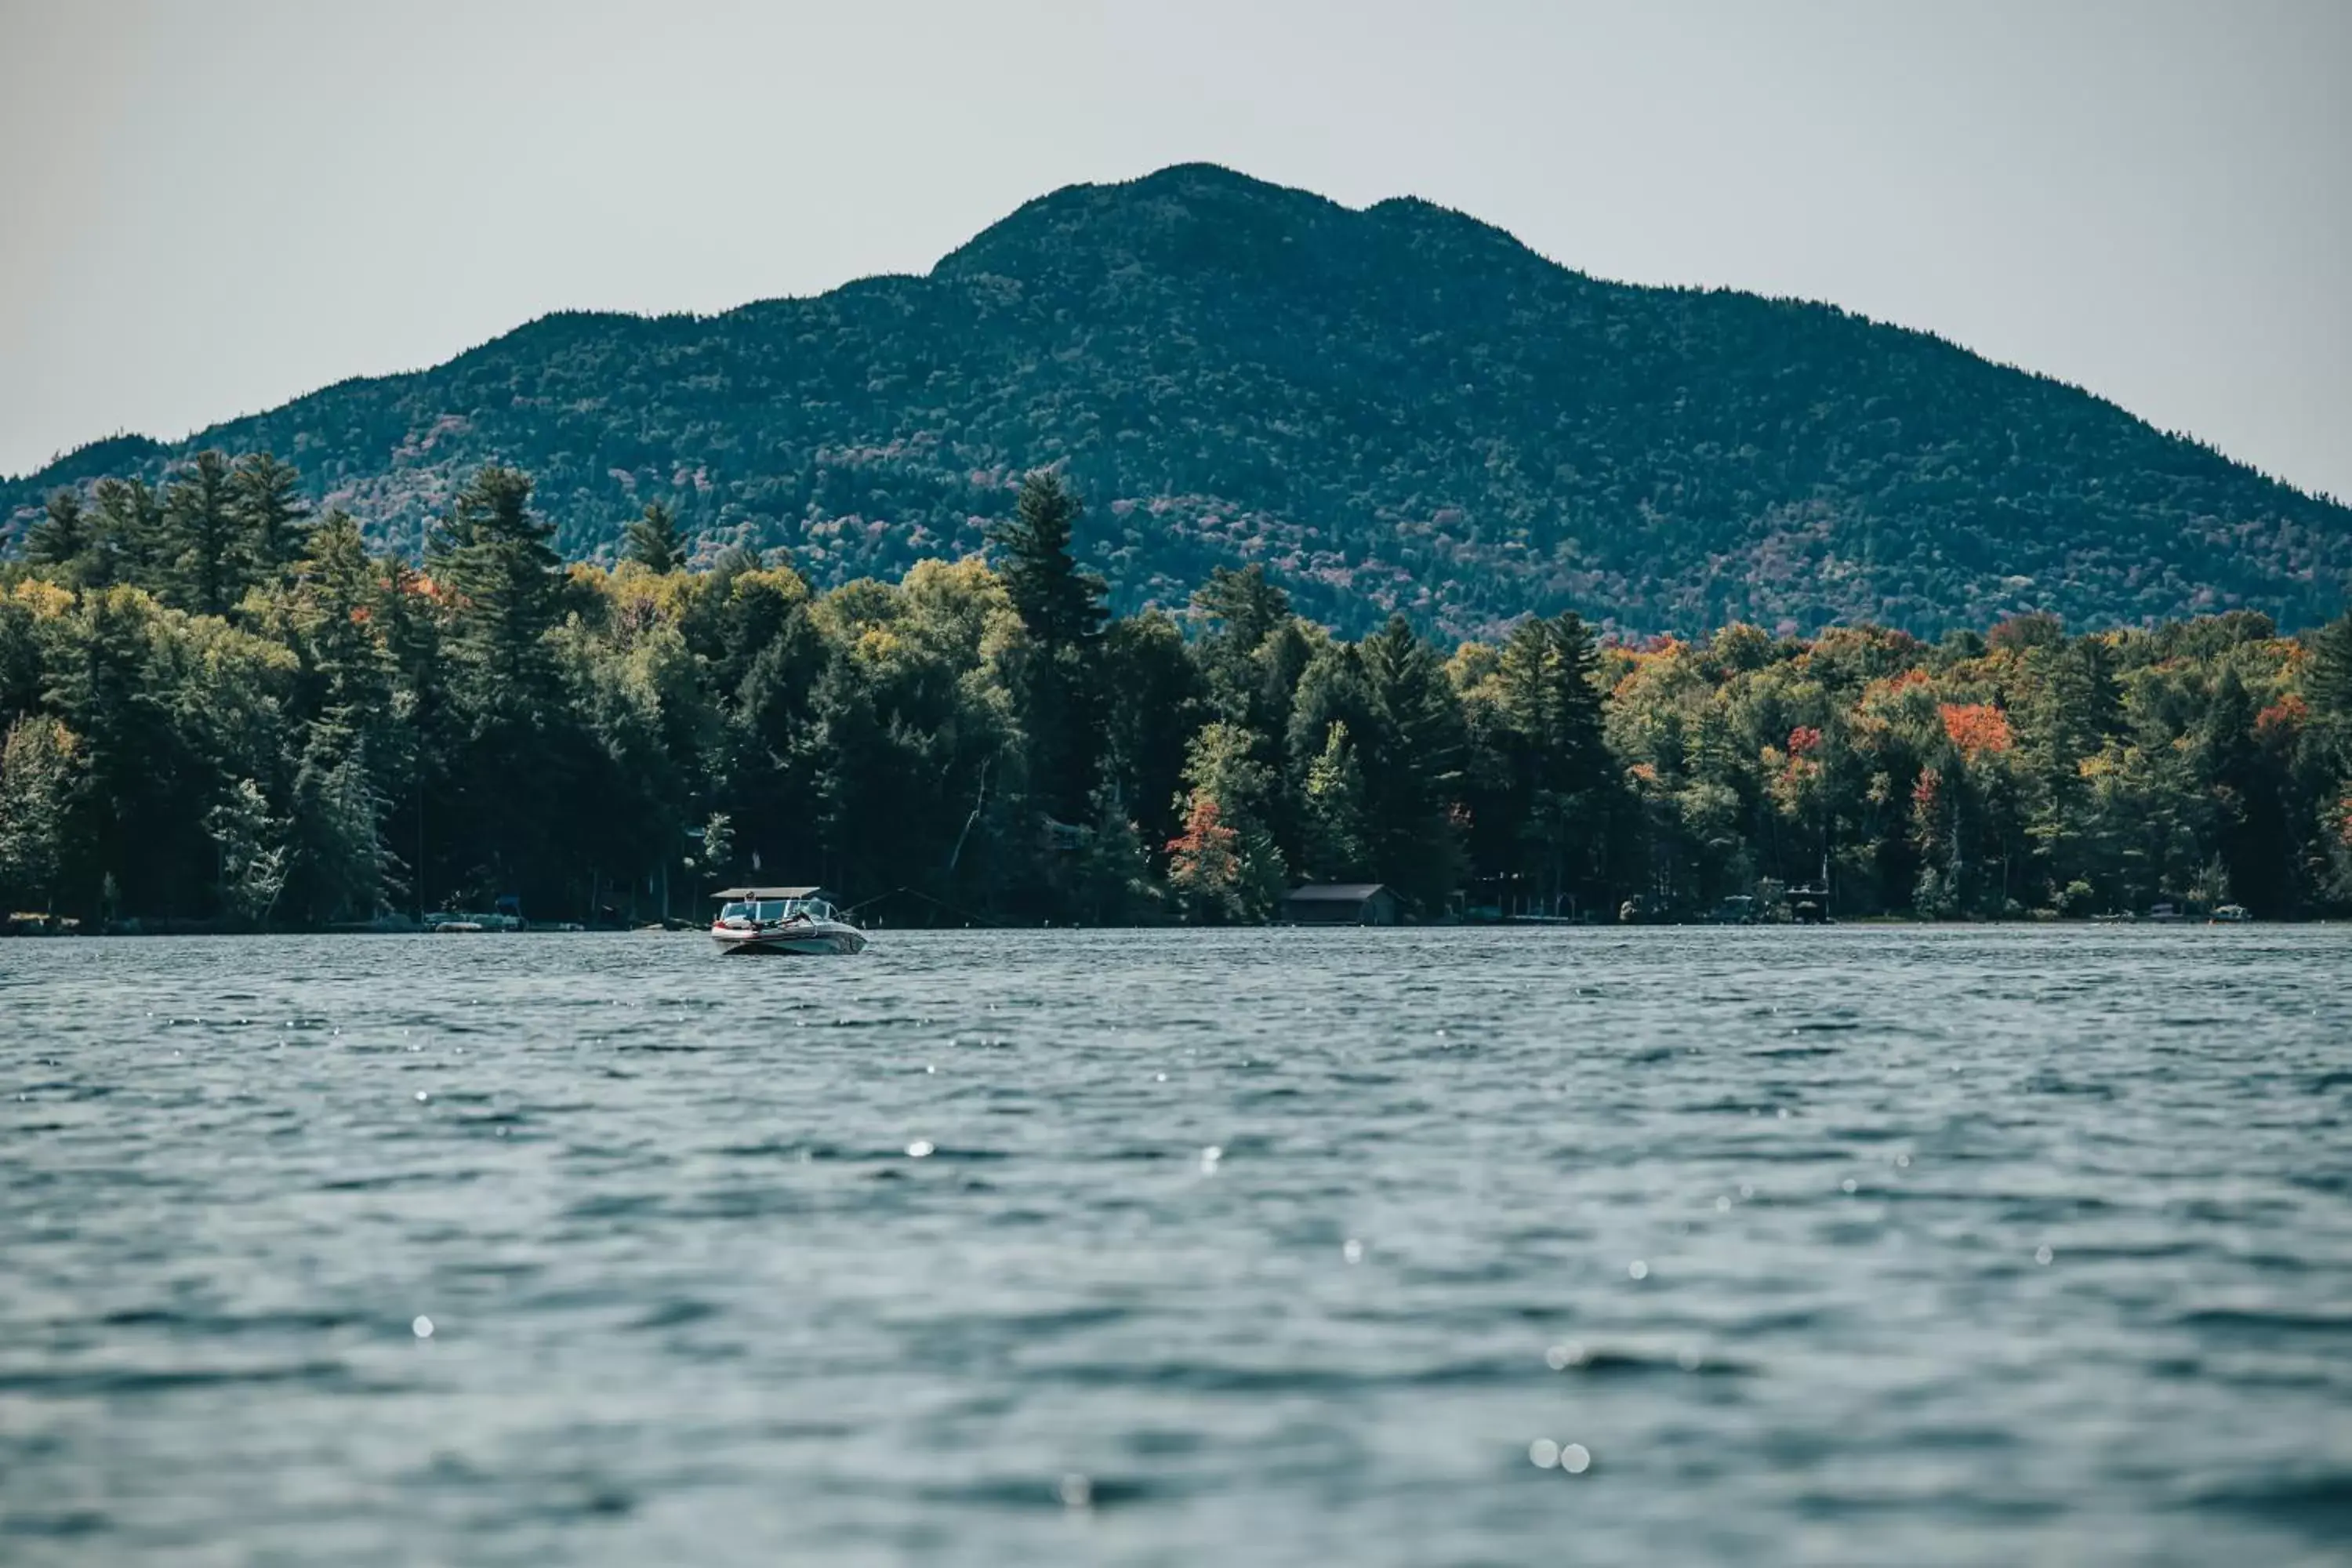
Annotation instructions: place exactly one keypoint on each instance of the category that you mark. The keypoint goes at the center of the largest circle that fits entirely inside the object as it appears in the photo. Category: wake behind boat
(782, 921)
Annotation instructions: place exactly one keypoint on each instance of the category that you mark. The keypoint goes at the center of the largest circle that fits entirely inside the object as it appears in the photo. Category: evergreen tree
(1061, 606)
(1558, 763)
(1250, 651)
(1241, 608)
(653, 540)
(205, 553)
(2072, 708)
(1061, 603)
(496, 560)
(130, 540)
(60, 543)
(265, 500)
(516, 765)
(333, 617)
(1417, 737)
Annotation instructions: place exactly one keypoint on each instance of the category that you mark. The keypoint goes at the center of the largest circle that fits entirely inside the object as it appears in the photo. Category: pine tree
(1062, 608)
(1417, 744)
(655, 541)
(361, 735)
(1242, 607)
(266, 501)
(128, 538)
(2068, 714)
(497, 560)
(60, 543)
(1060, 603)
(1557, 759)
(333, 617)
(516, 762)
(205, 557)
(1249, 649)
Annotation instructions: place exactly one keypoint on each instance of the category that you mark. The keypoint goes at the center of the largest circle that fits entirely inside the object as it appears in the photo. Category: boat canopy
(764, 910)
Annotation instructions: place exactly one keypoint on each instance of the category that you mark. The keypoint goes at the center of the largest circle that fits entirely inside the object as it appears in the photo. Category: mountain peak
(1399, 408)
(1183, 212)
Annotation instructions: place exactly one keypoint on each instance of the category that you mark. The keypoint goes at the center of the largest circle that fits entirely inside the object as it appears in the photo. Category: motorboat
(783, 922)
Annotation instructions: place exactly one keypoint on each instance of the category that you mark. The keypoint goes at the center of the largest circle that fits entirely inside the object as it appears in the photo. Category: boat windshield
(774, 911)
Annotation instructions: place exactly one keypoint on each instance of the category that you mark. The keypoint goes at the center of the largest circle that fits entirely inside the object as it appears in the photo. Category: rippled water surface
(1847, 1245)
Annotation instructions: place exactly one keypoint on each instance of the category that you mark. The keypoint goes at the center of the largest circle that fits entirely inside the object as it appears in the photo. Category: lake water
(1861, 1246)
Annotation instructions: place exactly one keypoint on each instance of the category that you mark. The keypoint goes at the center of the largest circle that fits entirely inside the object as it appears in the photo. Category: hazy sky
(206, 209)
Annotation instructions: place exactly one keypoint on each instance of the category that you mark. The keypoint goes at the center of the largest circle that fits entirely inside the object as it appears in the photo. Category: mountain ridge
(1398, 406)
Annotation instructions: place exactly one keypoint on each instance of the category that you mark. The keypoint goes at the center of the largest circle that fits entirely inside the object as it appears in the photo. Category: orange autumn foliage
(2279, 722)
(1977, 728)
(1206, 855)
(1203, 827)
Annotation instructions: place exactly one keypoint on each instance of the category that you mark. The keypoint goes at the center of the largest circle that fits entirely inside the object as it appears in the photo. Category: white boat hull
(809, 939)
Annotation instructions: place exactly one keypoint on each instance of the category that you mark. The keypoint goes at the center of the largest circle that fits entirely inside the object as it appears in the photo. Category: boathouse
(1340, 904)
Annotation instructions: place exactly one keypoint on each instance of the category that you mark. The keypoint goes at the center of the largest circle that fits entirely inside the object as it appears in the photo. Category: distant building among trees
(1340, 903)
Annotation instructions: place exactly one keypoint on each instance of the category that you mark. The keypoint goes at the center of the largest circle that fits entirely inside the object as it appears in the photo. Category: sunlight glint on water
(1890, 1244)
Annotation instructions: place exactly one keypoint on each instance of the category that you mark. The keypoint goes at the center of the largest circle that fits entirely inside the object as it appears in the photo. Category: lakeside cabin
(1340, 904)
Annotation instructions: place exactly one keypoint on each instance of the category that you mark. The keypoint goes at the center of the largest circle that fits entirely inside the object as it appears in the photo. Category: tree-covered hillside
(216, 709)
(1396, 408)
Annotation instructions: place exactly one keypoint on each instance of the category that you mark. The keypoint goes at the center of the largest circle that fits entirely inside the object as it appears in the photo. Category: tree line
(220, 709)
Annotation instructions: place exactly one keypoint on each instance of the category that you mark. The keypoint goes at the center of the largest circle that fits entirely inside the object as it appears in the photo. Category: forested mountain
(1398, 408)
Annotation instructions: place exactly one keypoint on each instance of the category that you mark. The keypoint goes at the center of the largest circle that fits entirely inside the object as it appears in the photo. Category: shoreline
(1878, 923)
